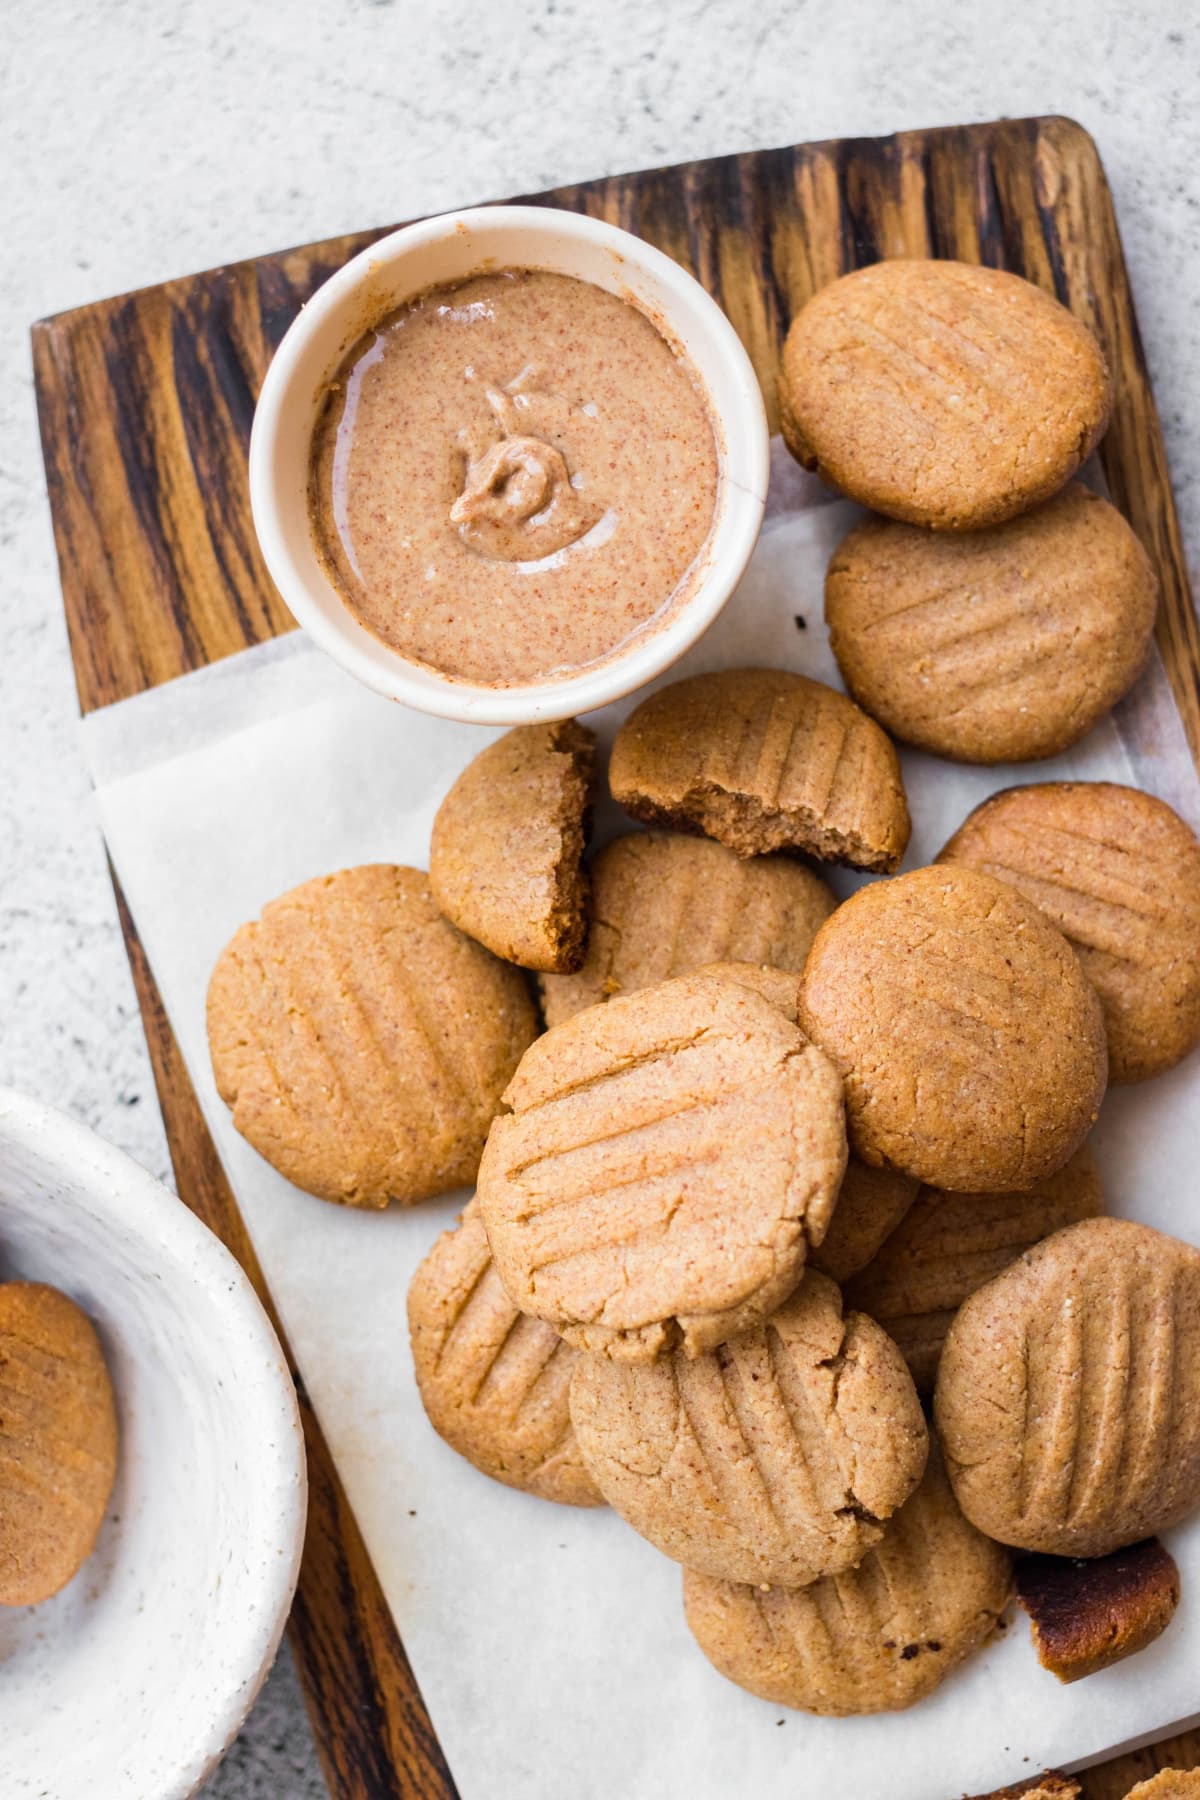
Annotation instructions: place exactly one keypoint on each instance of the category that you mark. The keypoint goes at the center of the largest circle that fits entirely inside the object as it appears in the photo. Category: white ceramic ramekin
(451, 248)
(134, 1679)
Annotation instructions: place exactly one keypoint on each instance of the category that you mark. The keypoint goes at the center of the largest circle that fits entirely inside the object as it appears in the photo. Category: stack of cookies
(778, 1175)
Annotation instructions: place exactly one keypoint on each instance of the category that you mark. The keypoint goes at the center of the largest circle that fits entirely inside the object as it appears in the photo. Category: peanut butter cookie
(493, 1382)
(969, 1040)
(1168, 1784)
(870, 1205)
(606, 1190)
(778, 986)
(942, 393)
(870, 1202)
(1001, 645)
(361, 1041)
(505, 861)
(1119, 874)
(950, 1244)
(873, 1639)
(775, 1458)
(1068, 1394)
(58, 1441)
(1086, 1616)
(764, 759)
(662, 905)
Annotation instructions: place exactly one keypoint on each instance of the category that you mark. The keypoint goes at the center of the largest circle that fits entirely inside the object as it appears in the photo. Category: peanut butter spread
(513, 476)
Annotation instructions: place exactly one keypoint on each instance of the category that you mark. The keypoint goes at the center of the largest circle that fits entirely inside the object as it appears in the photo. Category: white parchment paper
(549, 1643)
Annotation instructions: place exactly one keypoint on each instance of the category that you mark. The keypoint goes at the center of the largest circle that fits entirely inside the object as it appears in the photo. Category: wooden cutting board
(145, 403)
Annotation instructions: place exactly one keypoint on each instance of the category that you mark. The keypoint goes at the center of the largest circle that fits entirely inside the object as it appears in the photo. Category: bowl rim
(741, 495)
(181, 1242)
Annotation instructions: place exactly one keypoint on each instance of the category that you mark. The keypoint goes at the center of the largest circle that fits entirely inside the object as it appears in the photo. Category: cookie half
(1119, 874)
(361, 1041)
(663, 905)
(970, 1042)
(764, 759)
(948, 1245)
(606, 1188)
(876, 1638)
(505, 862)
(773, 1459)
(493, 1382)
(1068, 1394)
(1001, 645)
(58, 1441)
(942, 393)
(1086, 1616)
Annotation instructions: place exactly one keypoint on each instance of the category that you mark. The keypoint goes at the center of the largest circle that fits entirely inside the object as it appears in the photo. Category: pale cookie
(361, 1041)
(870, 1202)
(662, 905)
(58, 1441)
(764, 759)
(505, 860)
(942, 393)
(607, 1191)
(1168, 1784)
(1068, 1395)
(1119, 874)
(493, 1382)
(874, 1639)
(950, 1244)
(970, 1043)
(1086, 1616)
(775, 1458)
(993, 646)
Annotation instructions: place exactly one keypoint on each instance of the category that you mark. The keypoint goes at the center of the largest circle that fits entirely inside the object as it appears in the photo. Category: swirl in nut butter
(512, 477)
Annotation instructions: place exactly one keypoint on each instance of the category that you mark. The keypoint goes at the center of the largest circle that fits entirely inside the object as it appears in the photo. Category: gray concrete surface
(140, 139)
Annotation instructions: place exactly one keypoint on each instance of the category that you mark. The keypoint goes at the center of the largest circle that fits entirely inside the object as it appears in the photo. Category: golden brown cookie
(870, 1202)
(606, 1189)
(493, 1382)
(950, 1244)
(773, 1459)
(361, 1041)
(505, 860)
(764, 759)
(58, 1441)
(970, 1043)
(1086, 1616)
(874, 1639)
(1119, 874)
(1001, 645)
(942, 393)
(1168, 1784)
(1068, 1394)
(780, 986)
(663, 905)
(870, 1205)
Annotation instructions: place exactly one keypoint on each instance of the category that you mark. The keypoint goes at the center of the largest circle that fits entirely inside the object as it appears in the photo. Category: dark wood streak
(144, 404)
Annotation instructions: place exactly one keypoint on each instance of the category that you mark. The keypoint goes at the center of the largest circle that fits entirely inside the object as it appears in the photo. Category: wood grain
(145, 404)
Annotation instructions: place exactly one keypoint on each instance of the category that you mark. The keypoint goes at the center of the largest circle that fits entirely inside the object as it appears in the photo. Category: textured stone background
(140, 139)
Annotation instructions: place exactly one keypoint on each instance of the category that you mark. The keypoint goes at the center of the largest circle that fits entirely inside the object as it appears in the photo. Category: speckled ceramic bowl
(449, 249)
(131, 1683)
